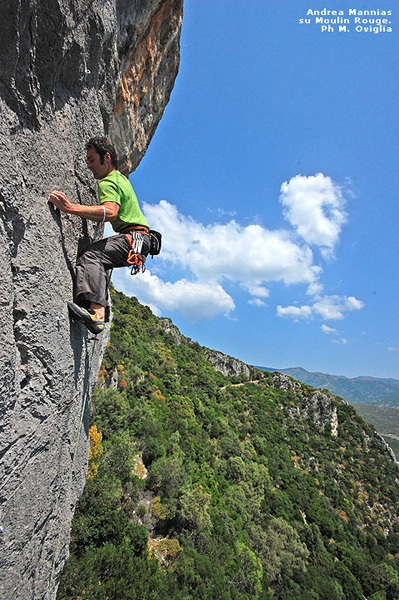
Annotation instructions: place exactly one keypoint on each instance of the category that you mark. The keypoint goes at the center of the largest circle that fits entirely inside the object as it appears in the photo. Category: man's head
(100, 157)
(102, 145)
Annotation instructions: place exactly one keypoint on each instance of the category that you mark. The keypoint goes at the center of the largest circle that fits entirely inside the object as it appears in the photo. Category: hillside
(246, 485)
(375, 399)
(386, 421)
(369, 390)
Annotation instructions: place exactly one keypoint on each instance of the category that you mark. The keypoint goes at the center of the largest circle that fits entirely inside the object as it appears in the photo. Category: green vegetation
(212, 487)
(386, 421)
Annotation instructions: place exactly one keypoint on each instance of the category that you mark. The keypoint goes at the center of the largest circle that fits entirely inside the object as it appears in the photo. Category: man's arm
(93, 213)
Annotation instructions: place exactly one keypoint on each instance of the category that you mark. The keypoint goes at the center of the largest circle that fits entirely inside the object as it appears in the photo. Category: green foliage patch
(214, 487)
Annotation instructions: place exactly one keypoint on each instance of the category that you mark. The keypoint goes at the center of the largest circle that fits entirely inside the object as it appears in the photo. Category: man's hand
(61, 201)
(108, 211)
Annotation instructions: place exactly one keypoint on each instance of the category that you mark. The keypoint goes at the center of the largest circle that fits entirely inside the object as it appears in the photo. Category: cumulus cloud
(230, 251)
(256, 302)
(314, 206)
(258, 290)
(334, 307)
(195, 300)
(314, 289)
(326, 307)
(201, 267)
(295, 312)
(207, 259)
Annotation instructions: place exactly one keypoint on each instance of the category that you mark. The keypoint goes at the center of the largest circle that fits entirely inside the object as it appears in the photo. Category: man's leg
(91, 267)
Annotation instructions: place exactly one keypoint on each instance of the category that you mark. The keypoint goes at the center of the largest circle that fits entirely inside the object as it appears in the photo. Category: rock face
(227, 364)
(68, 71)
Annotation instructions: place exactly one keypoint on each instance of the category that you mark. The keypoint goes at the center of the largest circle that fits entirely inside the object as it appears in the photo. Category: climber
(118, 204)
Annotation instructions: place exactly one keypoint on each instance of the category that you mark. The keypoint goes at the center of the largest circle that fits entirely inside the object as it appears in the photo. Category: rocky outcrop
(324, 412)
(227, 364)
(320, 408)
(283, 382)
(68, 70)
(168, 327)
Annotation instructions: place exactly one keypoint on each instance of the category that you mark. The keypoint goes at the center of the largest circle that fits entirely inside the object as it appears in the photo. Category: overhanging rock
(68, 71)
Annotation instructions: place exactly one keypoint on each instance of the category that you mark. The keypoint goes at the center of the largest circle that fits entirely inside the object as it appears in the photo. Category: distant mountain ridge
(370, 390)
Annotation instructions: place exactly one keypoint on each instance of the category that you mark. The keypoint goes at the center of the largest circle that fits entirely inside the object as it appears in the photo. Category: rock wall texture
(68, 71)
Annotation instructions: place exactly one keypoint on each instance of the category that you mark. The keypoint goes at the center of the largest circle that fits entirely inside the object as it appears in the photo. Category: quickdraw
(135, 259)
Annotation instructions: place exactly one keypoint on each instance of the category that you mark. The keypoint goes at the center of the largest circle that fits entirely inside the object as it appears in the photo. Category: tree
(249, 575)
(285, 552)
(194, 505)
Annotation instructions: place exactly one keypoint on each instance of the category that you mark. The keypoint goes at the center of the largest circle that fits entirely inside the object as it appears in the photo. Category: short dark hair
(102, 145)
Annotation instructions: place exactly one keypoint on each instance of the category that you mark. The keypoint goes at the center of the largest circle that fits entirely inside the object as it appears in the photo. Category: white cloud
(315, 208)
(331, 331)
(256, 302)
(258, 290)
(342, 341)
(353, 303)
(326, 307)
(199, 263)
(314, 289)
(230, 251)
(334, 307)
(328, 330)
(195, 300)
(295, 312)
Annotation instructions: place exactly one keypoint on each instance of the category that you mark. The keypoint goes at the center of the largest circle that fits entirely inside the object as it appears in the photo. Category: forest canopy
(207, 486)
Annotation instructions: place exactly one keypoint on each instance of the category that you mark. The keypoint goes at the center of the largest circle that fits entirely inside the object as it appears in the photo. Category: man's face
(94, 163)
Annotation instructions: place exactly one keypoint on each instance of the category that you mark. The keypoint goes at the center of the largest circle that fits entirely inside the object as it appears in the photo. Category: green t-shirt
(115, 187)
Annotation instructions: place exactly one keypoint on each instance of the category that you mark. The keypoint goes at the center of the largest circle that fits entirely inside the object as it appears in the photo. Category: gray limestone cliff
(227, 364)
(68, 71)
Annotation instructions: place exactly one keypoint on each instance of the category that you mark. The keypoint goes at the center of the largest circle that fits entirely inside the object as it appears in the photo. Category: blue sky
(273, 178)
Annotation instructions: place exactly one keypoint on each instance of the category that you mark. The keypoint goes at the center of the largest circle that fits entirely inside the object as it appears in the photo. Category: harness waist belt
(142, 228)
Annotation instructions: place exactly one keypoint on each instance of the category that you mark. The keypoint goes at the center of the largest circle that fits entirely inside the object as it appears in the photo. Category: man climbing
(118, 204)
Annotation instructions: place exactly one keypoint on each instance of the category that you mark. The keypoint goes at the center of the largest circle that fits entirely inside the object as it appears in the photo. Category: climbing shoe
(87, 316)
